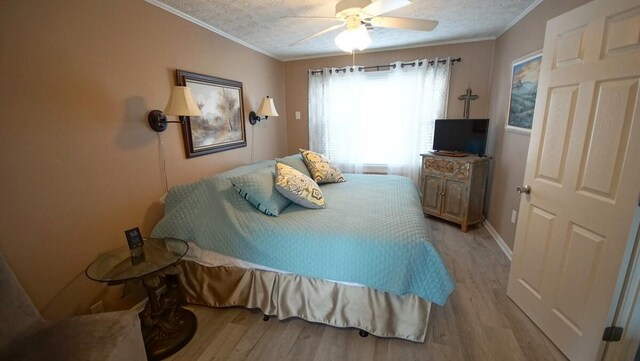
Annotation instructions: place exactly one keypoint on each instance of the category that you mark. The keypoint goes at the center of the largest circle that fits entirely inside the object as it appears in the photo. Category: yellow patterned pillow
(297, 187)
(320, 168)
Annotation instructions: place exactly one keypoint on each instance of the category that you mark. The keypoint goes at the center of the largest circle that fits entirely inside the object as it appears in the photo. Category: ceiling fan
(360, 15)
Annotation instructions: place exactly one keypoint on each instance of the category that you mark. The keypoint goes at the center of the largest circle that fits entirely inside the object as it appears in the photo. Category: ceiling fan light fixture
(353, 38)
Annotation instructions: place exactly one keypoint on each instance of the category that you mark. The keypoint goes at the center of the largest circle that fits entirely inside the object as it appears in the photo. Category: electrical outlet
(514, 215)
(98, 307)
(297, 115)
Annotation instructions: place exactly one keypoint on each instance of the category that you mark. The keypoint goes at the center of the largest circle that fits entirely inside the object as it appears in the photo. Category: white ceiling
(259, 25)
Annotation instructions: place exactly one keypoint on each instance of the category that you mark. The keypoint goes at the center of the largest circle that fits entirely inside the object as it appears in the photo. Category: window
(361, 119)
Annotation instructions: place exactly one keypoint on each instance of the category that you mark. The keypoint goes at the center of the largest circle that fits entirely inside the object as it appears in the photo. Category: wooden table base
(166, 326)
(168, 336)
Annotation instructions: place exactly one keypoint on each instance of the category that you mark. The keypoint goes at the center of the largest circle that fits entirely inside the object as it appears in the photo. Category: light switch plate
(297, 115)
(514, 214)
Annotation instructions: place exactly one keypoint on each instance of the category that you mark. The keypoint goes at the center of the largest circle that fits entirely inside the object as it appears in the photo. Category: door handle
(526, 189)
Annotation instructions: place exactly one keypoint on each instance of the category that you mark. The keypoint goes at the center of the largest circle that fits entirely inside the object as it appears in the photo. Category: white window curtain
(367, 121)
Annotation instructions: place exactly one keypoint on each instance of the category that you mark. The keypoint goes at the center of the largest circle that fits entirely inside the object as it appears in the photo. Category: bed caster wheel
(265, 318)
(363, 333)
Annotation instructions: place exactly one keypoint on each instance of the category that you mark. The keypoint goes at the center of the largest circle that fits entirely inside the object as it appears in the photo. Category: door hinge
(612, 334)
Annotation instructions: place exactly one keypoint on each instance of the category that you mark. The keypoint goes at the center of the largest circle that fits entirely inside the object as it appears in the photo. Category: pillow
(320, 168)
(298, 187)
(258, 188)
(295, 161)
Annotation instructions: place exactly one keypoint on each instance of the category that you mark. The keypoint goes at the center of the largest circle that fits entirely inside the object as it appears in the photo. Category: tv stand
(453, 188)
(445, 153)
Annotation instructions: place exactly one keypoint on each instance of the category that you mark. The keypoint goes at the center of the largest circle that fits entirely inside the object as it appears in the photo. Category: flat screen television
(461, 135)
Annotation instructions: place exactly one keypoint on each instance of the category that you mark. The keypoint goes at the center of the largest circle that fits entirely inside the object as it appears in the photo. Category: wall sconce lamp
(266, 109)
(180, 103)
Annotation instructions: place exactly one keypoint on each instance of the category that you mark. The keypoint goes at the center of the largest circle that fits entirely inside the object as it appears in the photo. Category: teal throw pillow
(258, 188)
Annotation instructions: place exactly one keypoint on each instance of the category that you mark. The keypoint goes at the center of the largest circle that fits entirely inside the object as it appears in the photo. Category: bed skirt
(287, 295)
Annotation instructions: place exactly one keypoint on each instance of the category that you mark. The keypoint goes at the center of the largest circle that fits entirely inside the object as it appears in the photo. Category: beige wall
(510, 149)
(79, 162)
(474, 70)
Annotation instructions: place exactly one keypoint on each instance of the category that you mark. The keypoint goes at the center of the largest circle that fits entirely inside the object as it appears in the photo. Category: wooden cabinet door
(455, 199)
(431, 194)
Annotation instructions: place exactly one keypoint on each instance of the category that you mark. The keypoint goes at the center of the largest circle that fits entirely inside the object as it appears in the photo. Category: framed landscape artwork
(524, 89)
(221, 126)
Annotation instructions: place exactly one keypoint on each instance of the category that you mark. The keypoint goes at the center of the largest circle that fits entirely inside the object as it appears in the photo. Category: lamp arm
(158, 121)
(254, 118)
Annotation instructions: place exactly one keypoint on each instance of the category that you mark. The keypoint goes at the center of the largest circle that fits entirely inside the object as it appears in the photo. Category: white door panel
(584, 170)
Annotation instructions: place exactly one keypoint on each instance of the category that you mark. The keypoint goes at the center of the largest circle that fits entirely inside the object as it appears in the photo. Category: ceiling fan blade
(384, 6)
(332, 28)
(403, 23)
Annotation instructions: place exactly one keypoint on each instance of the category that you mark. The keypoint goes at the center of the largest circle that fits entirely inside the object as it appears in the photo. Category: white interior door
(584, 170)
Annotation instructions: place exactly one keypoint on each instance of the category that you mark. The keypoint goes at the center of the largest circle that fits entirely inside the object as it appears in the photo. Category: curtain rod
(388, 66)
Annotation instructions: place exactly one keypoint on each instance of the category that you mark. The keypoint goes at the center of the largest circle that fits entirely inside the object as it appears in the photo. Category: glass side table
(166, 326)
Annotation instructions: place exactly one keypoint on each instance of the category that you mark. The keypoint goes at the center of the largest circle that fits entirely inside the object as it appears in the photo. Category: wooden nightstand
(453, 188)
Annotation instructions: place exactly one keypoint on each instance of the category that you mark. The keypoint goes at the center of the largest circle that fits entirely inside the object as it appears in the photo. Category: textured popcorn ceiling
(259, 23)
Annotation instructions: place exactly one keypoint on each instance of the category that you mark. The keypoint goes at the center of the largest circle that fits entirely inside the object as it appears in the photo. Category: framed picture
(221, 126)
(524, 89)
(134, 237)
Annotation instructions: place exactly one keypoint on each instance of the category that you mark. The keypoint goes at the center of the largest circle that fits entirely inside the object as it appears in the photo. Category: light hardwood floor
(479, 322)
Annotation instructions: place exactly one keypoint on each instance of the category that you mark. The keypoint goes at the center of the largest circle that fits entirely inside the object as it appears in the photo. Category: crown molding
(208, 27)
(376, 50)
(520, 17)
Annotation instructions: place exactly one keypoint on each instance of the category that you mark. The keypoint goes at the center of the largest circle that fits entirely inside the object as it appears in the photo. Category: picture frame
(525, 74)
(221, 126)
(134, 238)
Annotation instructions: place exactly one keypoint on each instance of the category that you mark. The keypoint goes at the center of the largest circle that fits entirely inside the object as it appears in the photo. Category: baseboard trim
(501, 243)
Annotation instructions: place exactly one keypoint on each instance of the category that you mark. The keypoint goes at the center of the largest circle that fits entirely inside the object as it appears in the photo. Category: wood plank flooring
(479, 322)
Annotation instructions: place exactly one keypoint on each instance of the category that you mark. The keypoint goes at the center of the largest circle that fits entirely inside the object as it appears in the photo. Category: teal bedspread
(372, 232)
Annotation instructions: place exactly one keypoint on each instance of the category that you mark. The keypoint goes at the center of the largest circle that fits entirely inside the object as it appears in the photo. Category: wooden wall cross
(467, 97)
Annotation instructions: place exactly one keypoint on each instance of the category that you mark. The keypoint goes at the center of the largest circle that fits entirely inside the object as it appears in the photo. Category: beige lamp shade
(181, 102)
(267, 108)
